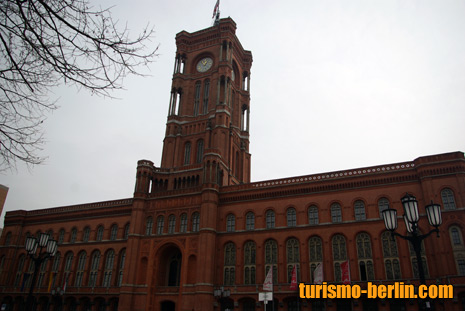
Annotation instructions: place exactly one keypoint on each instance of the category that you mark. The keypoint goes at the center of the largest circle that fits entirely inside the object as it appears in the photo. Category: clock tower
(207, 131)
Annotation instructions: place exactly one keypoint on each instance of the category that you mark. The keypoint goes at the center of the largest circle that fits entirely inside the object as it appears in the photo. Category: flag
(268, 284)
(51, 280)
(318, 274)
(25, 278)
(294, 279)
(217, 7)
(345, 272)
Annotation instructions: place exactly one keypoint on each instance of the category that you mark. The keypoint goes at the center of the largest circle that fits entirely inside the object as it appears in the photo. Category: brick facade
(197, 223)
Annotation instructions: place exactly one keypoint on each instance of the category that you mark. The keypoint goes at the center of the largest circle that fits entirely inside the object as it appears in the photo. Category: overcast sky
(334, 85)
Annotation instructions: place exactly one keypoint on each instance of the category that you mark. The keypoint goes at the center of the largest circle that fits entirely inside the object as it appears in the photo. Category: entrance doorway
(167, 306)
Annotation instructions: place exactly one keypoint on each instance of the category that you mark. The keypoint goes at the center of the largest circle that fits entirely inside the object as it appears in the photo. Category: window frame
(336, 213)
(313, 217)
(230, 223)
(359, 210)
(270, 219)
(291, 217)
(250, 221)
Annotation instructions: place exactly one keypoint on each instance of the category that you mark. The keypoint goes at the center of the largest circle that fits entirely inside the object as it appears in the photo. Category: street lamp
(411, 219)
(221, 293)
(32, 243)
(57, 298)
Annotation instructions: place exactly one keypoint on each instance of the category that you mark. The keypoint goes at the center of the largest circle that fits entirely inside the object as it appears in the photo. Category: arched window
(339, 255)
(458, 248)
(122, 259)
(160, 224)
(19, 270)
(315, 247)
(250, 221)
(55, 266)
(229, 264)
(68, 267)
(455, 236)
(110, 259)
(293, 258)
(199, 155)
(230, 223)
(461, 266)
(365, 260)
(175, 101)
(270, 219)
(30, 271)
(249, 263)
(271, 259)
(187, 153)
(245, 118)
(391, 256)
(86, 234)
(114, 232)
(80, 269)
(148, 226)
(383, 204)
(313, 215)
(195, 222)
(359, 209)
(183, 227)
(336, 214)
(206, 94)
(61, 236)
(171, 224)
(126, 231)
(99, 233)
(291, 217)
(94, 267)
(73, 236)
(43, 270)
(448, 199)
(196, 98)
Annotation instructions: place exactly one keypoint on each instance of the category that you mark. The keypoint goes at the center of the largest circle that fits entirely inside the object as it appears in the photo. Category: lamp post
(411, 219)
(47, 248)
(221, 293)
(57, 298)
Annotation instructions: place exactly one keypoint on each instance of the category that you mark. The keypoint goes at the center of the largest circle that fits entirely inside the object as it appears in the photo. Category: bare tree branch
(44, 43)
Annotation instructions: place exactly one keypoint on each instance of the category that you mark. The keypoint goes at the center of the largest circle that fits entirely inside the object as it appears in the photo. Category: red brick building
(196, 223)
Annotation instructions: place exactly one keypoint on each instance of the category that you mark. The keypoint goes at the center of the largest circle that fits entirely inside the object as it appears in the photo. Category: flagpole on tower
(216, 13)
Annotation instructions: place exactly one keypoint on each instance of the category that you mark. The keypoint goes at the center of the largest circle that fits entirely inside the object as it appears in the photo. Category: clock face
(204, 64)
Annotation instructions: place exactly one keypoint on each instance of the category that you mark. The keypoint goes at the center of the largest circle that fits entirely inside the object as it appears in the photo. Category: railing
(71, 208)
(380, 169)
